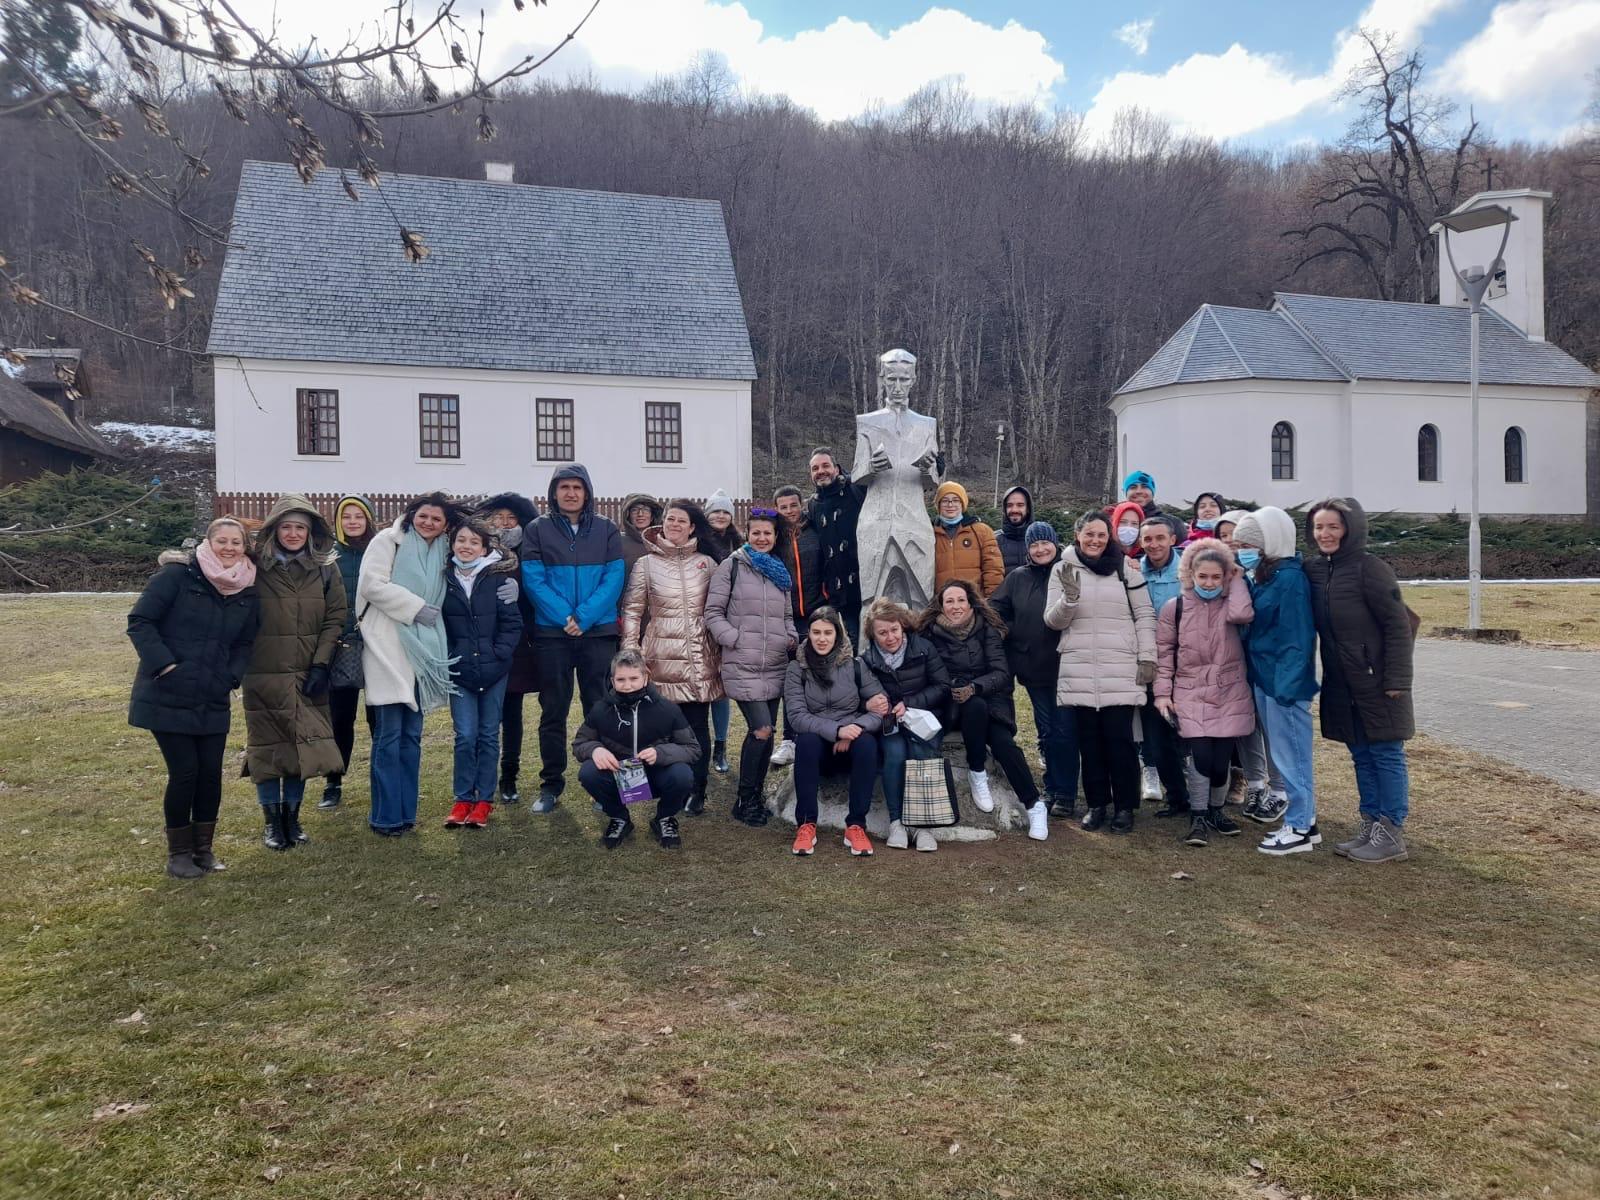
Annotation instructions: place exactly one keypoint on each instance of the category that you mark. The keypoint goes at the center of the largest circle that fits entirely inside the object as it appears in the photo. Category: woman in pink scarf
(193, 628)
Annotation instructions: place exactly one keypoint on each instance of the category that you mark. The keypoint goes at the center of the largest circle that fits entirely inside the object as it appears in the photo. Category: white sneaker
(1150, 784)
(783, 756)
(1290, 840)
(980, 790)
(926, 840)
(1039, 821)
(897, 836)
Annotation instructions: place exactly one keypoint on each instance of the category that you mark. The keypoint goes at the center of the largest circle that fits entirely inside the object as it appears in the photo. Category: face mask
(950, 522)
(467, 566)
(1207, 593)
(1249, 557)
(628, 697)
(1127, 535)
(1208, 524)
(511, 538)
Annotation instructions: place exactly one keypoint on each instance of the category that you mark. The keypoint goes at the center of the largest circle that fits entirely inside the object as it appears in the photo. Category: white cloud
(1534, 55)
(838, 70)
(1135, 35)
(1242, 91)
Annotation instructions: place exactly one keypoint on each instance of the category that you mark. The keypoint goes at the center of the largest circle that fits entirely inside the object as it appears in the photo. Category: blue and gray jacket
(1164, 584)
(573, 571)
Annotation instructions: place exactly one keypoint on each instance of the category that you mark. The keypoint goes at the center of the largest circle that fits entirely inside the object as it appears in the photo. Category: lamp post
(1475, 283)
(999, 441)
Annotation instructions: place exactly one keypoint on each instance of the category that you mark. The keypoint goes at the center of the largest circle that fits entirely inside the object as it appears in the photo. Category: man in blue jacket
(1161, 750)
(572, 571)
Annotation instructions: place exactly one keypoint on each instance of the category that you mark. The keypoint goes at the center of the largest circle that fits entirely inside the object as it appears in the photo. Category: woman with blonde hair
(913, 675)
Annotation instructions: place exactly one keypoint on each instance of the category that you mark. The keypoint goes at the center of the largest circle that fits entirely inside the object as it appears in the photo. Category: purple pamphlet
(632, 782)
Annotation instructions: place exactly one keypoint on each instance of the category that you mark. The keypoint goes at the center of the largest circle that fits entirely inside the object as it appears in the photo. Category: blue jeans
(721, 714)
(1058, 742)
(1288, 730)
(396, 765)
(476, 716)
(288, 790)
(1381, 777)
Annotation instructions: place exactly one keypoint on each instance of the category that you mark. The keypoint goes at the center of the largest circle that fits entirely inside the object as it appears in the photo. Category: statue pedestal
(833, 796)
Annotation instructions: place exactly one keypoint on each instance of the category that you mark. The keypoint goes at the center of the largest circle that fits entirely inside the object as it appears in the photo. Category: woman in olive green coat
(303, 608)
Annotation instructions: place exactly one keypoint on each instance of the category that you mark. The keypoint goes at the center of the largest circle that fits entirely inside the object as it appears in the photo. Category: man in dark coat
(1366, 635)
(834, 513)
(1016, 509)
(572, 571)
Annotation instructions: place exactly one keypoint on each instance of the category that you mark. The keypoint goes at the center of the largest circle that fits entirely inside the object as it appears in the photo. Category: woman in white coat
(1098, 599)
(404, 657)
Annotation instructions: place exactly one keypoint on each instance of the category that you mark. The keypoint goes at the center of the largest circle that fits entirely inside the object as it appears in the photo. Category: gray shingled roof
(520, 278)
(26, 411)
(1332, 338)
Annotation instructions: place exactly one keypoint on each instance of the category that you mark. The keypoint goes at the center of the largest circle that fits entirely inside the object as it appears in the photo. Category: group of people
(1162, 658)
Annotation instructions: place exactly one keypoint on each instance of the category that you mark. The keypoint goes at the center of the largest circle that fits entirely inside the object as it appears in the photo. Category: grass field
(1568, 614)
(519, 1013)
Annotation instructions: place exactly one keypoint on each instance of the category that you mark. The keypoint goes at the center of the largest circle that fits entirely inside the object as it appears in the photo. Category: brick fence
(389, 505)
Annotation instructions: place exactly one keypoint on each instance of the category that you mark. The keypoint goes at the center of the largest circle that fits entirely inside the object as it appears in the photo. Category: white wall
(1522, 301)
(379, 432)
(1356, 440)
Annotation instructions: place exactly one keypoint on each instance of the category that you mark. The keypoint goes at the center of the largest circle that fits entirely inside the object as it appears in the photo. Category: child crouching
(635, 745)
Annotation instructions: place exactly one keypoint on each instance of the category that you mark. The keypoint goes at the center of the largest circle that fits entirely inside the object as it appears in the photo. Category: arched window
(1428, 454)
(1516, 471)
(1283, 450)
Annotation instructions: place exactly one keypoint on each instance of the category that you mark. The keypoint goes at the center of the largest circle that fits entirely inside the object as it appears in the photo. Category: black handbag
(347, 671)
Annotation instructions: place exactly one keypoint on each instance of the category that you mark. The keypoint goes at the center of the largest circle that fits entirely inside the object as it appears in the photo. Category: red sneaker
(480, 815)
(458, 814)
(805, 839)
(856, 838)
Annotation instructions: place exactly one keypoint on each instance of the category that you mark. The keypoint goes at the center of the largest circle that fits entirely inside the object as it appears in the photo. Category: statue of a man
(897, 452)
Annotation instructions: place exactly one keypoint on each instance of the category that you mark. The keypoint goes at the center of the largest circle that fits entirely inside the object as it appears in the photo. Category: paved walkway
(1539, 709)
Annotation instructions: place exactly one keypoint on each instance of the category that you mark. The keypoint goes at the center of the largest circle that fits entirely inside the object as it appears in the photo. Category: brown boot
(204, 832)
(180, 853)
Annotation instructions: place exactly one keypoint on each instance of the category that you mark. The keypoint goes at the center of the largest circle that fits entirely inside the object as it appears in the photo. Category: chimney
(1518, 293)
(500, 172)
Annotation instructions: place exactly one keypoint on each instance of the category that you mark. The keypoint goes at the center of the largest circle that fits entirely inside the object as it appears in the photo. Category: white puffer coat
(1104, 636)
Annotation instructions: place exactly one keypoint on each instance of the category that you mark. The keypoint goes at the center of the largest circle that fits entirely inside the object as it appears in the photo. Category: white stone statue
(897, 452)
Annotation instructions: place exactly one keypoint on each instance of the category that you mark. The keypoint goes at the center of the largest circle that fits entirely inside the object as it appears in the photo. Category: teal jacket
(1281, 643)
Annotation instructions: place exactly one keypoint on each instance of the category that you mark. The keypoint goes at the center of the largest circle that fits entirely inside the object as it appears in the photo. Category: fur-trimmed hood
(525, 510)
(320, 545)
(1191, 555)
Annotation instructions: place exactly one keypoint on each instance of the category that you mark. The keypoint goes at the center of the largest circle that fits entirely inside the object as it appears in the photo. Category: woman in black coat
(354, 523)
(508, 514)
(194, 627)
(969, 637)
(1365, 631)
(913, 676)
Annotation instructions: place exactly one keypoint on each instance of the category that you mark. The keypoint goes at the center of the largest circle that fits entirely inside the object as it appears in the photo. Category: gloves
(1146, 674)
(507, 592)
(427, 615)
(316, 681)
(1071, 588)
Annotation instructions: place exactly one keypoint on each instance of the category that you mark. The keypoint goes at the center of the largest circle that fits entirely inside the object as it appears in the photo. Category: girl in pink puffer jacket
(1202, 683)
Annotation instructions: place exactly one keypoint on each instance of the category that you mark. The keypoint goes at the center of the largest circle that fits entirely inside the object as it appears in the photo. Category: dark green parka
(303, 611)
(1365, 634)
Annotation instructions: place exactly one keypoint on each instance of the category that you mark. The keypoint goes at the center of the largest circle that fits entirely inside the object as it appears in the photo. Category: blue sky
(1252, 72)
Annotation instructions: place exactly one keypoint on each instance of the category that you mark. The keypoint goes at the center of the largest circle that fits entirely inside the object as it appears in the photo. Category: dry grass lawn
(1567, 614)
(519, 1013)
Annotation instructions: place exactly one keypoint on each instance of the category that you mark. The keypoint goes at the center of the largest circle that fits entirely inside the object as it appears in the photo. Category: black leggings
(1109, 754)
(511, 740)
(980, 732)
(1213, 757)
(755, 755)
(194, 776)
(342, 705)
(698, 714)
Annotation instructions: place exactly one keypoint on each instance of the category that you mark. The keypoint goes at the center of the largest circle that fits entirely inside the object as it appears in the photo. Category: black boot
(719, 757)
(697, 801)
(1174, 807)
(1122, 821)
(180, 853)
(298, 834)
(1094, 819)
(332, 793)
(204, 833)
(759, 756)
(276, 836)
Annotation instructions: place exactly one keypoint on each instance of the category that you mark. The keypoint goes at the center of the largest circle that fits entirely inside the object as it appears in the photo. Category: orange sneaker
(805, 839)
(856, 838)
(480, 815)
(458, 814)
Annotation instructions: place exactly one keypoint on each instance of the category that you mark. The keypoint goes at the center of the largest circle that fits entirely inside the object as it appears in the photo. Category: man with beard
(834, 513)
(1017, 514)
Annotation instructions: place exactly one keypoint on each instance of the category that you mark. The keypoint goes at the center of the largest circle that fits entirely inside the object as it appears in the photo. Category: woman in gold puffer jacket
(663, 615)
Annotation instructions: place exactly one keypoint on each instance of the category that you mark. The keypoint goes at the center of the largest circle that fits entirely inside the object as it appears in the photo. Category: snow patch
(10, 369)
(167, 437)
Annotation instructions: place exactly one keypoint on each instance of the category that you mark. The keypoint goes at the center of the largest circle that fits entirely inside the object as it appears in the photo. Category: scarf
(771, 568)
(227, 580)
(419, 568)
(962, 631)
(897, 659)
(1108, 562)
(822, 665)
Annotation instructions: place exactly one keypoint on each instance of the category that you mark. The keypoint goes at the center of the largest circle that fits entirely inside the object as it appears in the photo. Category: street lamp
(999, 441)
(1475, 283)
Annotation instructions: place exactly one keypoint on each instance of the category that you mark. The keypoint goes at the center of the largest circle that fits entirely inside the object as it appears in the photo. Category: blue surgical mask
(1208, 524)
(951, 522)
(1249, 557)
(1207, 593)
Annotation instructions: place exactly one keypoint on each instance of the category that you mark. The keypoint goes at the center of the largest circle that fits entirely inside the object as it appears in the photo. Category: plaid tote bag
(930, 800)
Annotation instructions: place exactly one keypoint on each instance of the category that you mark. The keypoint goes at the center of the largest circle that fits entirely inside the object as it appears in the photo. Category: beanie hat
(951, 489)
(1233, 516)
(1269, 529)
(719, 501)
(1143, 477)
(1041, 531)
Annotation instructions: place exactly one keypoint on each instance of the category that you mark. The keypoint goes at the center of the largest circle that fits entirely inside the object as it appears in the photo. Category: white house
(545, 326)
(1320, 396)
